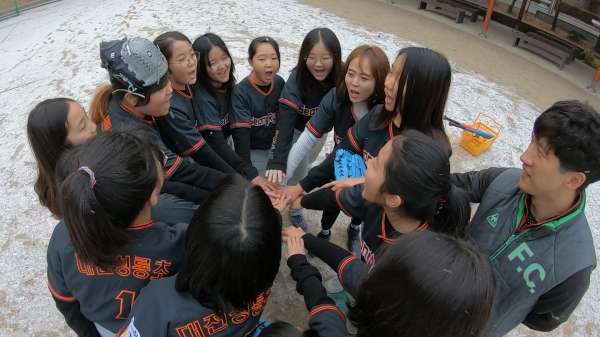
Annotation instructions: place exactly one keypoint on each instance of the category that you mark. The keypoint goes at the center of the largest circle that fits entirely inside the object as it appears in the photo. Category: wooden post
(488, 18)
(520, 17)
(592, 87)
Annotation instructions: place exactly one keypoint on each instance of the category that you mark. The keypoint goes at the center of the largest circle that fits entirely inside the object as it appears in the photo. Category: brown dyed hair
(380, 67)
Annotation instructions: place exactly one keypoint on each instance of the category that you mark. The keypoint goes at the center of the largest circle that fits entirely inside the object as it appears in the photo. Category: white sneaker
(333, 285)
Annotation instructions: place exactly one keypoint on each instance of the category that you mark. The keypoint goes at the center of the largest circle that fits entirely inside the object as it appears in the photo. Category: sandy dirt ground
(52, 51)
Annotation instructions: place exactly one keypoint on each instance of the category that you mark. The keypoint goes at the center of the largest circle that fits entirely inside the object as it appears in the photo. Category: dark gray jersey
(155, 250)
(160, 311)
(252, 108)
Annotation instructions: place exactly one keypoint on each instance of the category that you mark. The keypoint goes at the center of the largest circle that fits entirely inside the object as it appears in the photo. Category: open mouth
(388, 100)
(320, 72)
(192, 74)
(354, 94)
(268, 75)
(222, 73)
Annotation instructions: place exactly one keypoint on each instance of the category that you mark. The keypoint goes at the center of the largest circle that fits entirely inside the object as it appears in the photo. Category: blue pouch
(348, 165)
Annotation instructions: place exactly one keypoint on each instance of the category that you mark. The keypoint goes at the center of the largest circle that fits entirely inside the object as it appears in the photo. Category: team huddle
(170, 190)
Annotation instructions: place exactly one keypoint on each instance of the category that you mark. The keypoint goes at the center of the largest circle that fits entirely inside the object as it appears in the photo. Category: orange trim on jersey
(353, 115)
(341, 269)
(120, 331)
(288, 102)
(209, 127)
(391, 129)
(522, 226)
(106, 124)
(384, 237)
(354, 143)
(339, 202)
(149, 121)
(173, 167)
(62, 298)
(326, 307)
(139, 226)
(313, 131)
(223, 91)
(258, 89)
(188, 96)
(240, 125)
(323, 84)
(193, 148)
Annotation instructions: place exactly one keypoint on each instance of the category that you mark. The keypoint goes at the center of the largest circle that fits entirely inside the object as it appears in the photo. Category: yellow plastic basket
(477, 144)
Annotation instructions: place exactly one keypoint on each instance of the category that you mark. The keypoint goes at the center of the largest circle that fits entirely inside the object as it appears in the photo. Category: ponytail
(99, 105)
(453, 213)
(92, 234)
(109, 181)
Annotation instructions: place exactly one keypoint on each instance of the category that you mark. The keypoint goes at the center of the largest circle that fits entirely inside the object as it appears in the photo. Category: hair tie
(90, 173)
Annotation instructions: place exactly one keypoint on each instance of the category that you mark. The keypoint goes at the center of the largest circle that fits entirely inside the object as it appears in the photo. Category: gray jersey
(160, 311)
(155, 250)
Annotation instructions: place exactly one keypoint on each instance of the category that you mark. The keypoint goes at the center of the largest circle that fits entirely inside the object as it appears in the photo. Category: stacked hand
(292, 236)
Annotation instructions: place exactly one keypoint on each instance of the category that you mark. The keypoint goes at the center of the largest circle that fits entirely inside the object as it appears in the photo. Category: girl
(255, 104)
(213, 99)
(53, 126)
(319, 65)
(407, 188)
(108, 247)
(417, 103)
(178, 128)
(362, 88)
(139, 92)
(424, 284)
(233, 248)
(59, 125)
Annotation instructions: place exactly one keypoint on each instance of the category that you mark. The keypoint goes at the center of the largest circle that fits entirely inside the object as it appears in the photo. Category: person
(316, 72)
(178, 127)
(58, 125)
(255, 106)
(531, 221)
(233, 249)
(407, 188)
(417, 104)
(212, 92)
(53, 126)
(392, 297)
(139, 92)
(107, 247)
(359, 92)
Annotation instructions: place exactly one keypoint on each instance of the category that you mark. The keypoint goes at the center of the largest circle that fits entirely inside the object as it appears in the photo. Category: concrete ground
(52, 51)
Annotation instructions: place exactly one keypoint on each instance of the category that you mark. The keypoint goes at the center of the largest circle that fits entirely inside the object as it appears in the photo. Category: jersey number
(126, 299)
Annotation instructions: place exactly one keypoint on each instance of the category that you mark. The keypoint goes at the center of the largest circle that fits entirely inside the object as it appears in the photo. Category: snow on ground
(53, 51)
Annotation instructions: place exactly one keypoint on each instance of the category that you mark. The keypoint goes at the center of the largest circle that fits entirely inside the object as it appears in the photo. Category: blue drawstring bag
(348, 165)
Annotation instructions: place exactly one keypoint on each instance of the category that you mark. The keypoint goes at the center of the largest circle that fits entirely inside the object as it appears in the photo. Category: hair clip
(90, 174)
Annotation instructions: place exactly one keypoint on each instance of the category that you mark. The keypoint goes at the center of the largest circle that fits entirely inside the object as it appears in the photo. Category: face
(183, 64)
(359, 80)
(391, 83)
(265, 63)
(319, 62)
(159, 102)
(375, 175)
(219, 65)
(80, 127)
(542, 175)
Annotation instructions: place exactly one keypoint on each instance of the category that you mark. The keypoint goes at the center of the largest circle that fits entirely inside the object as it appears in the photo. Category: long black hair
(418, 170)
(423, 88)
(233, 247)
(204, 44)
(332, 44)
(47, 130)
(98, 207)
(425, 284)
